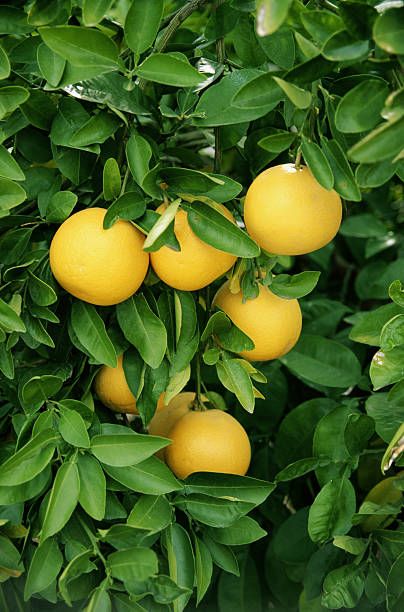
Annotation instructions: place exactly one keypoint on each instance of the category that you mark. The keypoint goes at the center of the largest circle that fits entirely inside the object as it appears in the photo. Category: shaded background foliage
(123, 102)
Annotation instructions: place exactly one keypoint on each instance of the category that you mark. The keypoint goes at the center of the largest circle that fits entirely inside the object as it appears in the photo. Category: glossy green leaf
(95, 10)
(169, 69)
(44, 567)
(243, 531)
(344, 180)
(143, 329)
(82, 47)
(4, 64)
(270, 15)
(151, 477)
(203, 568)
(343, 587)
(111, 179)
(90, 330)
(342, 47)
(128, 206)
(125, 449)
(396, 292)
(181, 562)
(160, 226)
(62, 501)
(11, 97)
(73, 428)
(60, 206)
(39, 388)
(277, 140)
(133, 563)
(11, 194)
(318, 163)
(29, 460)
(151, 512)
(238, 488)
(332, 510)
(138, 153)
(299, 97)
(50, 64)
(388, 30)
(142, 24)
(387, 367)
(359, 110)
(234, 377)
(324, 362)
(9, 168)
(10, 321)
(215, 229)
(92, 486)
(294, 286)
(382, 143)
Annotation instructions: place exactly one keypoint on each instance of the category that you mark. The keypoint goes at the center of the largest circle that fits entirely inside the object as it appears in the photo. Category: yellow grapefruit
(208, 441)
(102, 267)
(287, 212)
(197, 264)
(273, 323)
(113, 390)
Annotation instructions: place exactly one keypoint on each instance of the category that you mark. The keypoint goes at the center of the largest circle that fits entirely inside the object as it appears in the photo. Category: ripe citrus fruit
(167, 415)
(382, 494)
(113, 390)
(197, 264)
(103, 267)
(273, 323)
(208, 441)
(287, 212)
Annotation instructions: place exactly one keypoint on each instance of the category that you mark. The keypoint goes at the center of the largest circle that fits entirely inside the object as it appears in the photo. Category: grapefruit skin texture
(166, 417)
(273, 323)
(113, 390)
(197, 264)
(287, 212)
(102, 267)
(208, 441)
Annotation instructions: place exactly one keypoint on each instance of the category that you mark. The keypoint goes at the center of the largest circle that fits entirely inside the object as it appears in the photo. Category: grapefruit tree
(201, 305)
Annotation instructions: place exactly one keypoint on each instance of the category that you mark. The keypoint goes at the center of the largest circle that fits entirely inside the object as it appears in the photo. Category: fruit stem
(298, 158)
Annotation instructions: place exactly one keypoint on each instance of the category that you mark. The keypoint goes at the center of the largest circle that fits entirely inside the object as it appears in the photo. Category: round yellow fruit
(102, 267)
(287, 212)
(208, 441)
(197, 264)
(113, 390)
(273, 323)
(382, 494)
(166, 416)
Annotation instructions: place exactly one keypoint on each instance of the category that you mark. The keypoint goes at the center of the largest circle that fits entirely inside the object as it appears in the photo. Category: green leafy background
(123, 104)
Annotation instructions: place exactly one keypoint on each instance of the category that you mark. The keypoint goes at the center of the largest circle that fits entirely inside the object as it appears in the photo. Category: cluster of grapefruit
(286, 211)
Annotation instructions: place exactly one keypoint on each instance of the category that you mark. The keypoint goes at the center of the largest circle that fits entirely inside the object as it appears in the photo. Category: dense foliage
(125, 105)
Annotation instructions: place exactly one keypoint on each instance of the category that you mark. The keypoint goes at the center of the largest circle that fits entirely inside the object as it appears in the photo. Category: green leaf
(169, 69)
(82, 47)
(234, 377)
(259, 92)
(96, 130)
(142, 24)
(10, 495)
(277, 140)
(215, 512)
(386, 410)
(151, 512)
(332, 510)
(203, 568)
(137, 563)
(321, 24)
(129, 206)
(318, 163)
(324, 362)
(40, 292)
(243, 531)
(279, 47)
(298, 468)
(216, 230)
(138, 154)
(368, 327)
(161, 226)
(299, 97)
(60, 206)
(111, 179)
(62, 501)
(388, 30)
(382, 143)
(4, 64)
(11, 97)
(92, 487)
(151, 477)
(11, 194)
(344, 180)
(39, 388)
(73, 428)
(229, 486)
(359, 110)
(394, 585)
(44, 568)
(271, 14)
(9, 319)
(90, 330)
(355, 546)
(222, 555)
(363, 225)
(50, 64)
(342, 47)
(387, 368)
(10, 559)
(100, 601)
(123, 450)
(392, 333)
(30, 460)
(181, 562)
(143, 329)
(95, 10)
(343, 587)
(9, 168)
(296, 286)
(396, 292)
